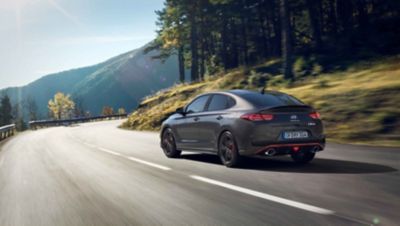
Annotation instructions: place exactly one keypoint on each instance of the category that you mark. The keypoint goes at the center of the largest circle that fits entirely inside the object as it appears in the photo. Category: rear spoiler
(288, 108)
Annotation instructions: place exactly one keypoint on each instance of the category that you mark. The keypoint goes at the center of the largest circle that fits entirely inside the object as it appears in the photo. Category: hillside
(121, 81)
(358, 105)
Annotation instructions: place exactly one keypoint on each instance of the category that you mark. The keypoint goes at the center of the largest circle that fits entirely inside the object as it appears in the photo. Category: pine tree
(5, 111)
(286, 40)
(213, 35)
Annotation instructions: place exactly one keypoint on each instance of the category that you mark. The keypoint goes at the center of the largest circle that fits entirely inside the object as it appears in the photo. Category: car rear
(278, 124)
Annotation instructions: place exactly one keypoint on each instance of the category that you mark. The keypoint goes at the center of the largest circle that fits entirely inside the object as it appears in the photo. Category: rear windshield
(271, 99)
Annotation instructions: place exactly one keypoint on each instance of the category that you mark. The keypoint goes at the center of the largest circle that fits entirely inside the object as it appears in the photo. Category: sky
(39, 37)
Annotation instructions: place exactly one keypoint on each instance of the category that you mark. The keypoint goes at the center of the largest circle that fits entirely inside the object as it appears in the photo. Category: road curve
(97, 174)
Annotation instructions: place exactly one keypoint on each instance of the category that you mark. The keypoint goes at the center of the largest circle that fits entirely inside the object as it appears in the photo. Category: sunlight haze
(38, 37)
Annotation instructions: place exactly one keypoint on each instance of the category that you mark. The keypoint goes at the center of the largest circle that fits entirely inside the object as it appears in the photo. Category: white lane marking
(89, 145)
(109, 151)
(272, 198)
(130, 158)
(149, 163)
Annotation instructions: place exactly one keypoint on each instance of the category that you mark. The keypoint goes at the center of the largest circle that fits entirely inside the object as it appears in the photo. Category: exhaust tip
(315, 149)
(270, 152)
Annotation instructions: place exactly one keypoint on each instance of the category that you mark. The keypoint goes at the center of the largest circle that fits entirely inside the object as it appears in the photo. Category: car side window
(197, 105)
(231, 102)
(220, 102)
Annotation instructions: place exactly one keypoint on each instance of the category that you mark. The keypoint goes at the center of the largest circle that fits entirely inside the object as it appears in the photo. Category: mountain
(121, 81)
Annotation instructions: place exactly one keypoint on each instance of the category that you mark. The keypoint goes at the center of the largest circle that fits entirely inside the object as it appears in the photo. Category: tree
(5, 111)
(171, 36)
(194, 71)
(344, 9)
(121, 111)
(18, 117)
(32, 109)
(315, 23)
(213, 35)
(61, 107)
(286, 40)
(79, 110)
(107, 111)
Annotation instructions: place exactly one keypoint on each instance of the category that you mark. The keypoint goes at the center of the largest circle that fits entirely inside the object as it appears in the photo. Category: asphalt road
(97, 174)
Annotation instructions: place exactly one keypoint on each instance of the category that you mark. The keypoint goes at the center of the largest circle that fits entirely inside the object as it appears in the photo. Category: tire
(168, 144)
(303, 157)
(228, 150)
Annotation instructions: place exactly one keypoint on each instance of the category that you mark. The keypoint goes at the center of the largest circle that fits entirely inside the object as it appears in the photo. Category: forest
(211, 36)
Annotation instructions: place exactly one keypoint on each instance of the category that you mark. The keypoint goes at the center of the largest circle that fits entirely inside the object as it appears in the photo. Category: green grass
(358, 105)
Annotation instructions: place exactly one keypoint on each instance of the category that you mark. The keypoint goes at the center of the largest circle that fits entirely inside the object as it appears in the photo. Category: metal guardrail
(7, 131)
(50, 123)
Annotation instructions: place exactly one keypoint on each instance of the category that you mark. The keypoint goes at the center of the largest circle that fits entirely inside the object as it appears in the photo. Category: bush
(317, 69)
(386, 120)
(214, 66)
(278, 80)
(323, 83)
(300, 67)
(242, 84)
(258, 79)
(245, 70)
(307, 66)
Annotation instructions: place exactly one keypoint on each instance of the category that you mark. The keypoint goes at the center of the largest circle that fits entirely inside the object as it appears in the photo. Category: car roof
(242, 96)
(242, 92)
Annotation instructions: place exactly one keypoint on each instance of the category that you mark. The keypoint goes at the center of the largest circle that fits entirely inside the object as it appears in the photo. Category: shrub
(386, 120)
(317, 69)
(300, 67)
(258, 79)
(323, 83)
(278, 80)
(303, 67)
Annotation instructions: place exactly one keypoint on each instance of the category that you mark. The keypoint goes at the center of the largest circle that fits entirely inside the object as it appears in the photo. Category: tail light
(257, 117)
(315, 115)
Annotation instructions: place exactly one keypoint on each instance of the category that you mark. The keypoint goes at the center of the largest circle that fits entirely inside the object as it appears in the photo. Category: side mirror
(180, 111)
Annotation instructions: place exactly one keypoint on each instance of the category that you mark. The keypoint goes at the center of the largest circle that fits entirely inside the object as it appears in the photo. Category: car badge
(293, 117)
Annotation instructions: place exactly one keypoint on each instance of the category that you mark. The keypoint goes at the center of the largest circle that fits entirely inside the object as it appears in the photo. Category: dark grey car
(244, 123)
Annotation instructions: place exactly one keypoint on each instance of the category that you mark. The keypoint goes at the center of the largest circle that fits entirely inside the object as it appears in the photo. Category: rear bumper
(255, 137)
(284, 148)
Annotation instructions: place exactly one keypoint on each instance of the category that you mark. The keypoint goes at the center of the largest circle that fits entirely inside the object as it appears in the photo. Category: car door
(179, 129)
(215, 118)
(190, 133)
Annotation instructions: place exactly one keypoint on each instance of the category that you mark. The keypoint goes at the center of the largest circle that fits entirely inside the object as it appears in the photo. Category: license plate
(295, 135)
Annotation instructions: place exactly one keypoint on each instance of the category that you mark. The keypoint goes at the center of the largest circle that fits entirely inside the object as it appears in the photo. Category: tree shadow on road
(284, 164)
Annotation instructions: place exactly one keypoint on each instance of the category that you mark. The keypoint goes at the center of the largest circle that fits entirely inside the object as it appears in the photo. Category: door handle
(219, 117)
(196, 119)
